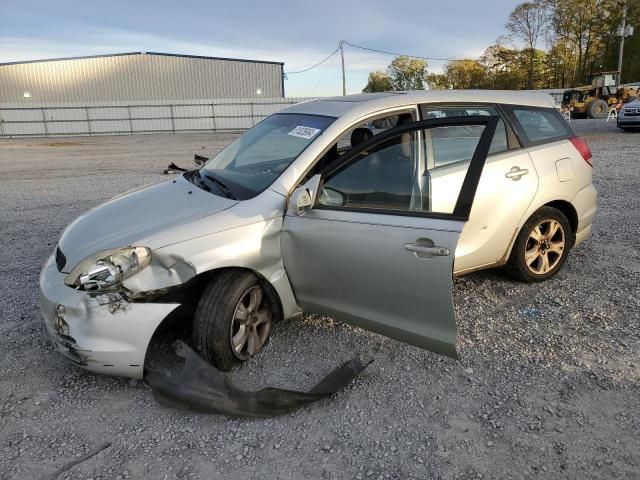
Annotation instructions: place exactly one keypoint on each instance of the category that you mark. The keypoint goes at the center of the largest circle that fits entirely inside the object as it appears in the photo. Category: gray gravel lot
(548, 385)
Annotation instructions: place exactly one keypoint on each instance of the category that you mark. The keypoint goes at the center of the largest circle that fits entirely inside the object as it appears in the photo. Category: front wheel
(598, 109)
(541, 247)
(233, 319)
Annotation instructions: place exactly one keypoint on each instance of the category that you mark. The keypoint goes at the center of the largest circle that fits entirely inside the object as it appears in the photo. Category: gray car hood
(139, 214)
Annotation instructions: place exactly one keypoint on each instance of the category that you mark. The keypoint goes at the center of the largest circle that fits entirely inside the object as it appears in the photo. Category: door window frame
(412, 109)
(469, 186)
(513, 140)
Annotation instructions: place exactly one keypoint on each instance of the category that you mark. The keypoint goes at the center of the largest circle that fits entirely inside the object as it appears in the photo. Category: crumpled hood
(139, 214)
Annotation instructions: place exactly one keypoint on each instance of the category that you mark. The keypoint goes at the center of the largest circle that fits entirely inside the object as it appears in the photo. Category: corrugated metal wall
(100, 118)
(138, 77)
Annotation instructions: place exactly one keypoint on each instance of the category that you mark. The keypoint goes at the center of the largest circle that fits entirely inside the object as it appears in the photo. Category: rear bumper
(101, 333)
(586, 204)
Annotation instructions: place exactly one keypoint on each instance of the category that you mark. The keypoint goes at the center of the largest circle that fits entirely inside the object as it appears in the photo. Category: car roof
(371, 102)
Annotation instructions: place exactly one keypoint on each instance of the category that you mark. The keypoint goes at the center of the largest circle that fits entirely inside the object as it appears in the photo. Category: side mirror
(300, 201)
(304, 197)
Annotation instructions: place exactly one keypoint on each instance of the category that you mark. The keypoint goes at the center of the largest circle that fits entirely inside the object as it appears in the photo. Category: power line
(322, 76)
(370, 50)
(315, 65)
(401, 54)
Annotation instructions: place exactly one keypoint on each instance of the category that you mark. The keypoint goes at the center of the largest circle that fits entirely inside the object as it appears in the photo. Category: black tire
(598, 109)
(215, 313)
(517, 266)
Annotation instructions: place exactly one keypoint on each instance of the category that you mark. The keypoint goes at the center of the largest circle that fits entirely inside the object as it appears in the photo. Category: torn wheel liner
(201, 387)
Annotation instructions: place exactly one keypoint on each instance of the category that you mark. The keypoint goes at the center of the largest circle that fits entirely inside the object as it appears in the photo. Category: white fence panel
(109, 113)
(192, 111)
(186, 124)
(21, 115)
(68, 128)
(150, 112)
(54, 114)
(110, 126)
(137, 117)
(18, 129)
(151, 125)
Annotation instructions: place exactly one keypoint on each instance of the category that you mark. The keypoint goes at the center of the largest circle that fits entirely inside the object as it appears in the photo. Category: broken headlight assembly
(108, 269)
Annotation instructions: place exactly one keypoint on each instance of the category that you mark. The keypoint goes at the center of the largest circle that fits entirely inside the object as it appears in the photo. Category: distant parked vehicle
(629, 115)
(359, 207)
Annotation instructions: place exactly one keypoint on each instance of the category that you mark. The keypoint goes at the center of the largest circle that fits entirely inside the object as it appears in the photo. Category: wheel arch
(570, 212)
(270, 289)
(190, 292)
(564, 206)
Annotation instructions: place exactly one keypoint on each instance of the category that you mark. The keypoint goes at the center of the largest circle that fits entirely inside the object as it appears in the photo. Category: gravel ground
(548, 385)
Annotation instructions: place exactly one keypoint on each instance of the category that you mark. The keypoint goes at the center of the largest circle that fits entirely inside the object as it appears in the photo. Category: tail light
(583, 149)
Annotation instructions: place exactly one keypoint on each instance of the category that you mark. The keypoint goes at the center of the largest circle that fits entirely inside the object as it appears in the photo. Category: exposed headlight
(109, 268)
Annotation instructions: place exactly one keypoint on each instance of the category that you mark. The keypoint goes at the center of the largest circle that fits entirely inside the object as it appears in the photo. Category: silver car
(358, 207)
(629, 116)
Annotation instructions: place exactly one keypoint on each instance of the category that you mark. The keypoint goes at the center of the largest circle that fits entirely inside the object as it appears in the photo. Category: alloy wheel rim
(545, 247)
(251, 323)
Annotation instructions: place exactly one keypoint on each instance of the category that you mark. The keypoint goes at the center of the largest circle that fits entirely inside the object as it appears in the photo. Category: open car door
(362, 243)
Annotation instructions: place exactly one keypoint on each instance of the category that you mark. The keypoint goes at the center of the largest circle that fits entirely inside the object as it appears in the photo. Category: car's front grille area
(61, 260)
(632, 112)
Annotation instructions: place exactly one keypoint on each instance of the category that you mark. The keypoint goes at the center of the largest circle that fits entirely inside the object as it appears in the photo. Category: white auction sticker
(304, 132)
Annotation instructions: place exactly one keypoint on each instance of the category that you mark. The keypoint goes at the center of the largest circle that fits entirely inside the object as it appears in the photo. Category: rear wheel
(233, 319)
(598, 109)
(541, 247)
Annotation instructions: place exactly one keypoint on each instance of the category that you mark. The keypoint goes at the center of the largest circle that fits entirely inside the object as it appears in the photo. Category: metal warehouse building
(138, 76)
(140, 92)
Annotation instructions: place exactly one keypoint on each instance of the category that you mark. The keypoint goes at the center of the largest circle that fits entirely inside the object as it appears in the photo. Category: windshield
(253, 161)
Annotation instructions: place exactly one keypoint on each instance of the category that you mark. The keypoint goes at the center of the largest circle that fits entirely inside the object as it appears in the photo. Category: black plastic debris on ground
(199, 160)
(201, 387)
(173, 168)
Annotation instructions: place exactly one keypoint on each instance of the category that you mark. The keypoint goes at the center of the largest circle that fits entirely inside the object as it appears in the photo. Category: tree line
(561, 43)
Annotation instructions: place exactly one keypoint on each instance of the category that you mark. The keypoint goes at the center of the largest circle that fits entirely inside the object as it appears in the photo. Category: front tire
(233, 319)
(598, 109)
(542, 246)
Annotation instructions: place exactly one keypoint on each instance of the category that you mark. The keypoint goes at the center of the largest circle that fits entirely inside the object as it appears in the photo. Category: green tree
(438, 81)
(407, 73)
(562, 64)
(583, 25)
(503, 67)
(465, 74)
(378, 82)
(526, 23)
(611, 49)
(580, 39)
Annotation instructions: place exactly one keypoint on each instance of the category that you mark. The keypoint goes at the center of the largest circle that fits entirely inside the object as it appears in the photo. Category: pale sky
(299, 33)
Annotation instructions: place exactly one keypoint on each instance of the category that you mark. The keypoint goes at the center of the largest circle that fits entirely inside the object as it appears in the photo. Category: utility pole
(624, 31)
(344, 81)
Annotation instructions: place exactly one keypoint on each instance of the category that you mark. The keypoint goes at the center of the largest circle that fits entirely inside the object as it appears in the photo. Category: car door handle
(516, 173)
(422, 250)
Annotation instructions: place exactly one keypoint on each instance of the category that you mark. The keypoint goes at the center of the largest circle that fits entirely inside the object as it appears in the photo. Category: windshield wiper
(221, 185)
(196, 174)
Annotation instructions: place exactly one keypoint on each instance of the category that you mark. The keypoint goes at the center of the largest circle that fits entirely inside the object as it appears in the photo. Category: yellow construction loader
(595, 100)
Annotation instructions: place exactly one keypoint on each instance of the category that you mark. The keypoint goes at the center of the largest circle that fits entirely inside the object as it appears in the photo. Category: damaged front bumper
(200, 387)
(100, 332)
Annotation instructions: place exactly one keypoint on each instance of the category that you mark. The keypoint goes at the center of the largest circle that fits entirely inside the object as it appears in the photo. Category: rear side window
(449, 145)
(541, 124)
(499, 143)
